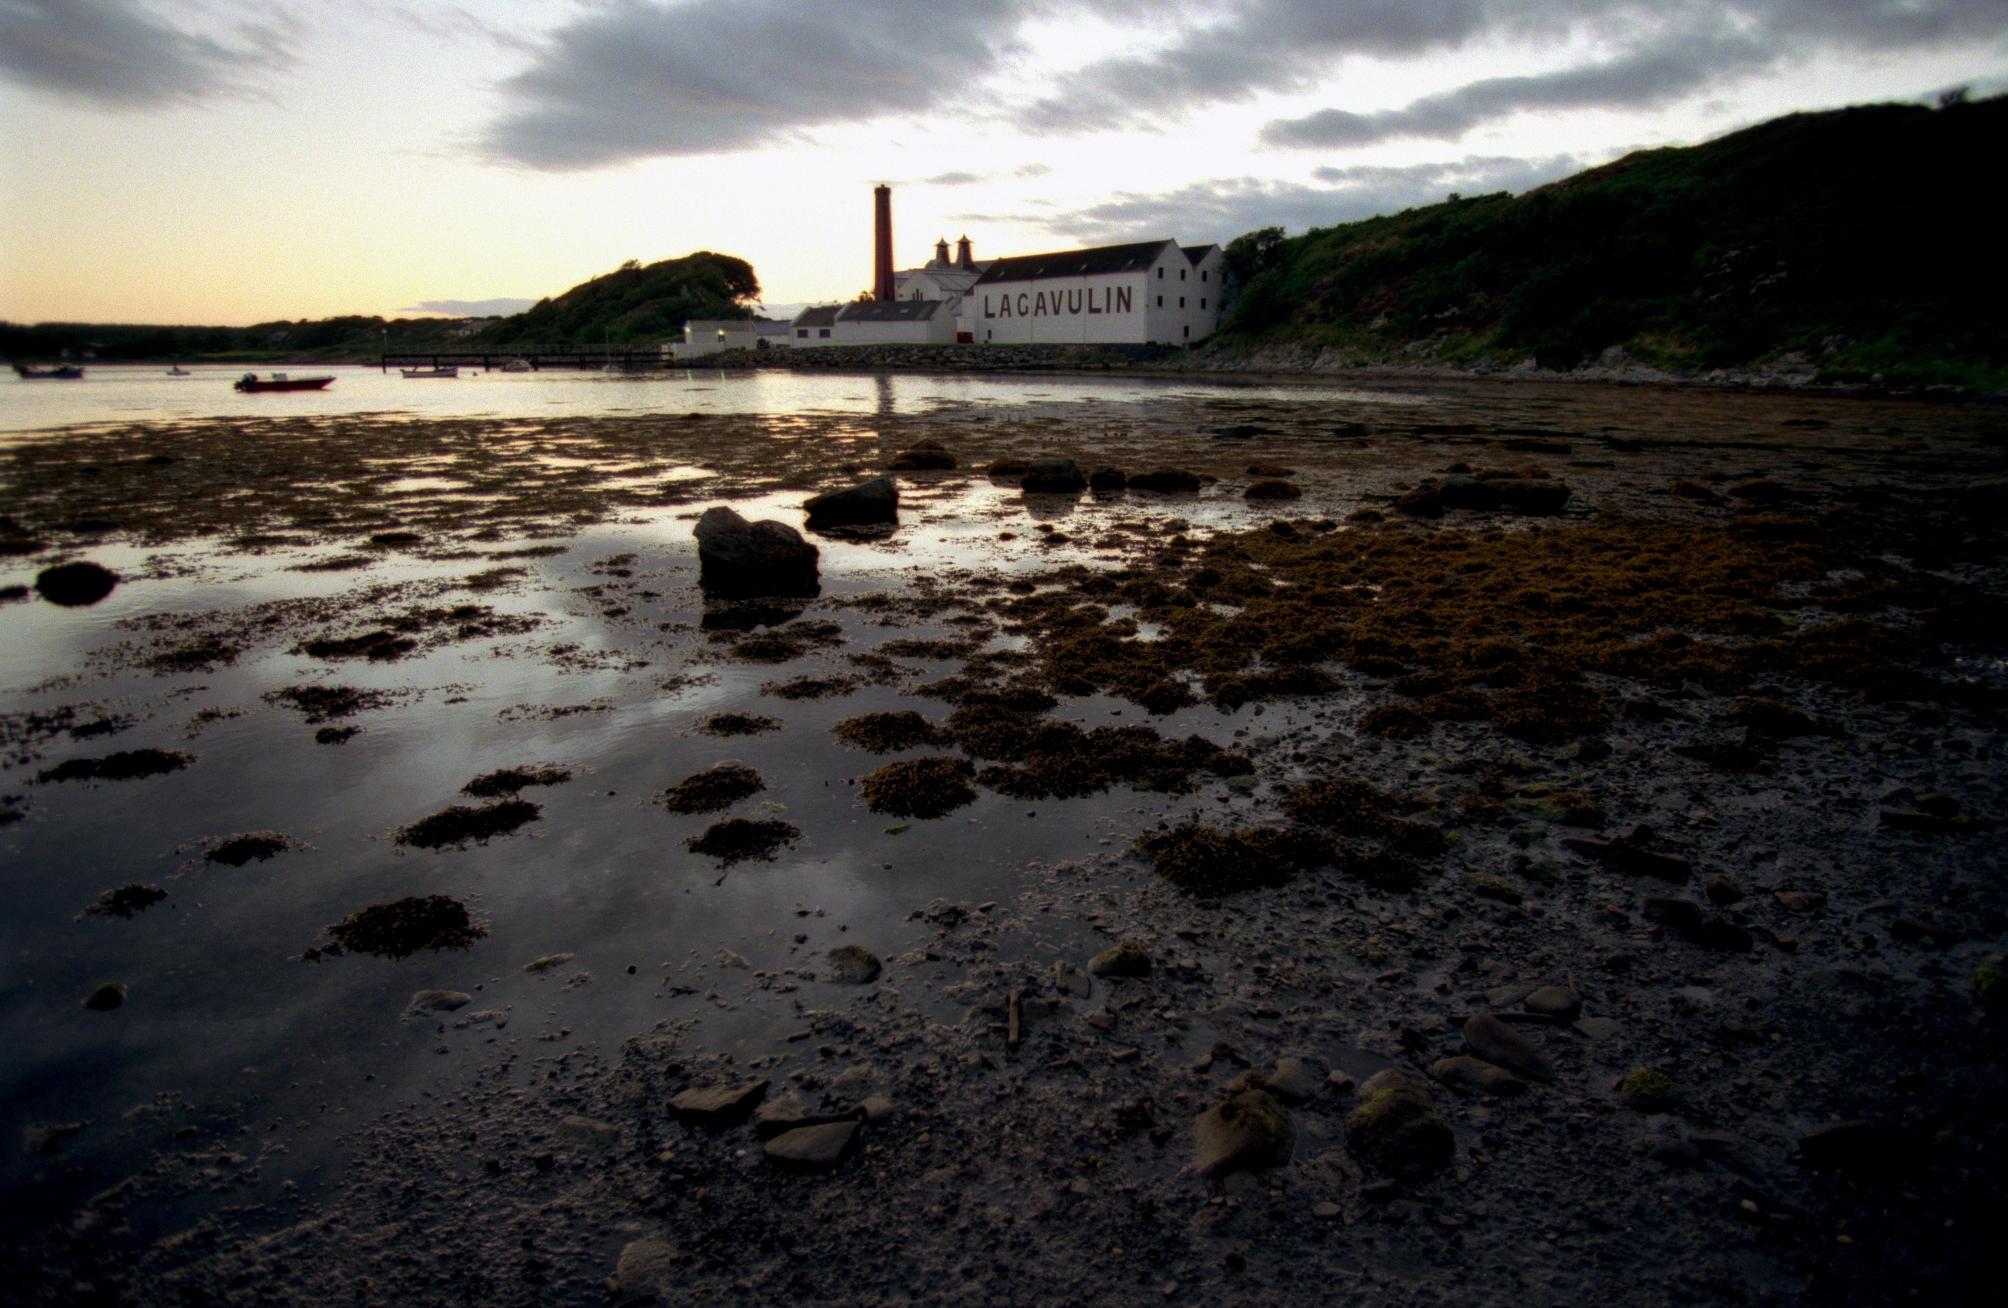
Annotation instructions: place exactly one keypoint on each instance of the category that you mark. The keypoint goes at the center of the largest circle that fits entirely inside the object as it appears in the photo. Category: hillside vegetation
(636, 303)
(1858, 242)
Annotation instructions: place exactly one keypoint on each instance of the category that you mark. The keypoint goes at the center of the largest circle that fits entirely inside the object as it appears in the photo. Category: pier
(626, 357)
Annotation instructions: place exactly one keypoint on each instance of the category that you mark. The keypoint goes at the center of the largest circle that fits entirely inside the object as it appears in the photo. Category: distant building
(1149, 292)
(814, 325)
(706, 336)
(896, 322)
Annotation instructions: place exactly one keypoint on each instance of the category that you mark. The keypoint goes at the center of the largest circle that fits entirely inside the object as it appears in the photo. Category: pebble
(1495, 1042)
(718, 1105)
(1126, 959)
(1558, 1002)
(425, 1003)
(813, 1147)
(1470, 1073)
(646, 1267)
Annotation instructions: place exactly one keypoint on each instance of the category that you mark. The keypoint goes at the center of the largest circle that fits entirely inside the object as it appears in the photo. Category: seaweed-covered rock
(1537, 496)
(1460, 492)
(1105, 479)
(1166, 481)
(1125, 959)
(869, 503)
(852, 965)
(923, 456)
(735, 556)
(1052, 475)
(105, 996)
(1397, 1129)
(75, 585)
(1248, 1131)
(1273, 488)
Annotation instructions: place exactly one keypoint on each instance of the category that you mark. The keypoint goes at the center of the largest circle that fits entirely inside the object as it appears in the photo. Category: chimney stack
(882, 283)
(963, 258)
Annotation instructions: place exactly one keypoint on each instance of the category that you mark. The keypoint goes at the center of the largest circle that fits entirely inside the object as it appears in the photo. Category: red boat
(279, 381)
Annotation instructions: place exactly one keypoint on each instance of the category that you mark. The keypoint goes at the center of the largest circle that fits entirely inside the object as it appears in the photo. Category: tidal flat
(1457, 842)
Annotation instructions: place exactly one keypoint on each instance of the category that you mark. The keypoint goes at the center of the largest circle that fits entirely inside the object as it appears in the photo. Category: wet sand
(487, 835)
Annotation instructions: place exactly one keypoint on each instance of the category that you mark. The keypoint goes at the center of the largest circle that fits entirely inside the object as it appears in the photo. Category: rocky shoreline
(1553, 857)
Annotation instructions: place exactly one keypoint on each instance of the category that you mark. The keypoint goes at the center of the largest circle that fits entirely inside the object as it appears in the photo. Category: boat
(516, 365)
(279, 381)
(63, 372)
(443, 370)
(178, 371)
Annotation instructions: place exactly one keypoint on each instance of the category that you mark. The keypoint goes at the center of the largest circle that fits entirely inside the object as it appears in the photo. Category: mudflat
(1543, 843)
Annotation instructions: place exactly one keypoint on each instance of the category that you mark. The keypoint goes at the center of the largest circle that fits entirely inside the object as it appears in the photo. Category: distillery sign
(1060, 304)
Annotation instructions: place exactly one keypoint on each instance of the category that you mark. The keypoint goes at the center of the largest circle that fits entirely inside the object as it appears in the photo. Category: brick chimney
(882, 281)
(963, 258)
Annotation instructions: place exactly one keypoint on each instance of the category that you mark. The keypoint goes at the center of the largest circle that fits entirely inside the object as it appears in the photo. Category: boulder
(75, 585)
(1462, 1071)
(1422, 502)
(1531, 495)
(867, 504)
(718, 1105)
(647, 1269)
(1557, 1003)
(1166, 481)
(1105, 479)
(1495, 1042)
(1273, 488)
(1397, 1129)
(1460, 492)
(753, 558)
(852, 965)
(809, 1148)
(1126, 959)
(789, 1113)
(1052, 475)
(1249, 1130)
(924, 456)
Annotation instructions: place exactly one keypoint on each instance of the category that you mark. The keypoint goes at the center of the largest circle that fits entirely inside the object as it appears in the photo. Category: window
(822, 331)
(1202, 301)
(1202, 274)
(1188, 332)
(1181, 301)
(1160, 274)
(1181, 274)
(1160, 301)
(803, 332)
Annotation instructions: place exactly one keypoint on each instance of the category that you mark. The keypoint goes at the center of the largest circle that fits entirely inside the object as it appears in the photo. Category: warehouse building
(1149, 292)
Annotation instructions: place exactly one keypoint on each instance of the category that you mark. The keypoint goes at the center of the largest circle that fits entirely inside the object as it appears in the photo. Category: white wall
(1103, 309)
(938, 330)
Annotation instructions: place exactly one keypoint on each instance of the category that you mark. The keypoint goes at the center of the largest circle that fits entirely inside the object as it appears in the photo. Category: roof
(948, 279)
(1198, 252)
(769, 326)
(890, 310)
(822, 315)
(1074, 263)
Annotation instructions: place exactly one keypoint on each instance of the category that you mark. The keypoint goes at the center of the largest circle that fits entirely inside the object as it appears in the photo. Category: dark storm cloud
(632, 79)
(118, 55)
(1254, 46)
(1222, 209)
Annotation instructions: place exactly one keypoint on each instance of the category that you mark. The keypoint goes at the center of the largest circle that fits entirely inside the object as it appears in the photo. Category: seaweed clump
(742, 838)
(325, 703)
(508, 781)
(716, 787)
(125, 765)
(1211, 862)
(460, 823)
(738, 724)
(920, 787)
(126, 900)
(402, 927)
(887, 733)
(239, 850)
(1040, 759)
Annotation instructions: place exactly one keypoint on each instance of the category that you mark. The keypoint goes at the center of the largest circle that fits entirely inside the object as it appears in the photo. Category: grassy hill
(636, 303)
(1859, 239)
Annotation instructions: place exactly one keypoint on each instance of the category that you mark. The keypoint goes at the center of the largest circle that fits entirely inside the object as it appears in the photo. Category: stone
(852, 965)
(1272, 488)
(1126, 959)
(1800, 901)
(1646, 1090)
(718, 1105)
(646, 1268)
(1723, 891)
(1535, 496)
(1627, 855)
(1422, 502)
(1495, 1042)
(1105, 479)
(735, 556)
(1166, 481)
(105, 996)
(75, 585)
(788, 1113)
(589, 1132)
(1397, 1130)
(1558, 1003)
(1487, 885)
(877, 1108)
(1463, 1072)
(869, 503)
(1325, 1210)
(426, 1003)
(1052, 475)
(923, 456)
(1460, 492)
(811, 1148)
(1249, 1131)
(1294, 1080)
(1685, 919)
(1861, 1144)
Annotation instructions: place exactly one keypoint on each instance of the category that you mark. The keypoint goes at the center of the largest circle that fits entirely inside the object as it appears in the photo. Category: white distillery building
(876, 322)
(1149, 292)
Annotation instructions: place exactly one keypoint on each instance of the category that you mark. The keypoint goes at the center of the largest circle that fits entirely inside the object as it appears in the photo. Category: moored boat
(178, 371)
(443, 370)
(279, 381)
(63, 372)
(516, 365)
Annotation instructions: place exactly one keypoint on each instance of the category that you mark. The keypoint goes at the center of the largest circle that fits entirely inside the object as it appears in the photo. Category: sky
(233, 161)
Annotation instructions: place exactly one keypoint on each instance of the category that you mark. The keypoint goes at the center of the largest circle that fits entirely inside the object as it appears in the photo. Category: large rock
(1104, 480)
(809, 1148)
(1460, 492)
(1532, 495)
(718, 1105)
(1052, 475)
(1126, 959)
(1398, 1130)
(867, 504)
(1464, 1072)
(925, 456)
(1497, 1043)
(74, 585)
(1166, 481)
(735, 556)
(852, 965)
(647, 1268)
(1249, 1130)
(790, 1113)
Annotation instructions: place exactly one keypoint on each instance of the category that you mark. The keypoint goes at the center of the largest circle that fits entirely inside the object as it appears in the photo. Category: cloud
(117, 55)
(633, 79)
(1641, 80)
(1238, 49)
(1221, 209)
(470, 308)
(958, 179)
